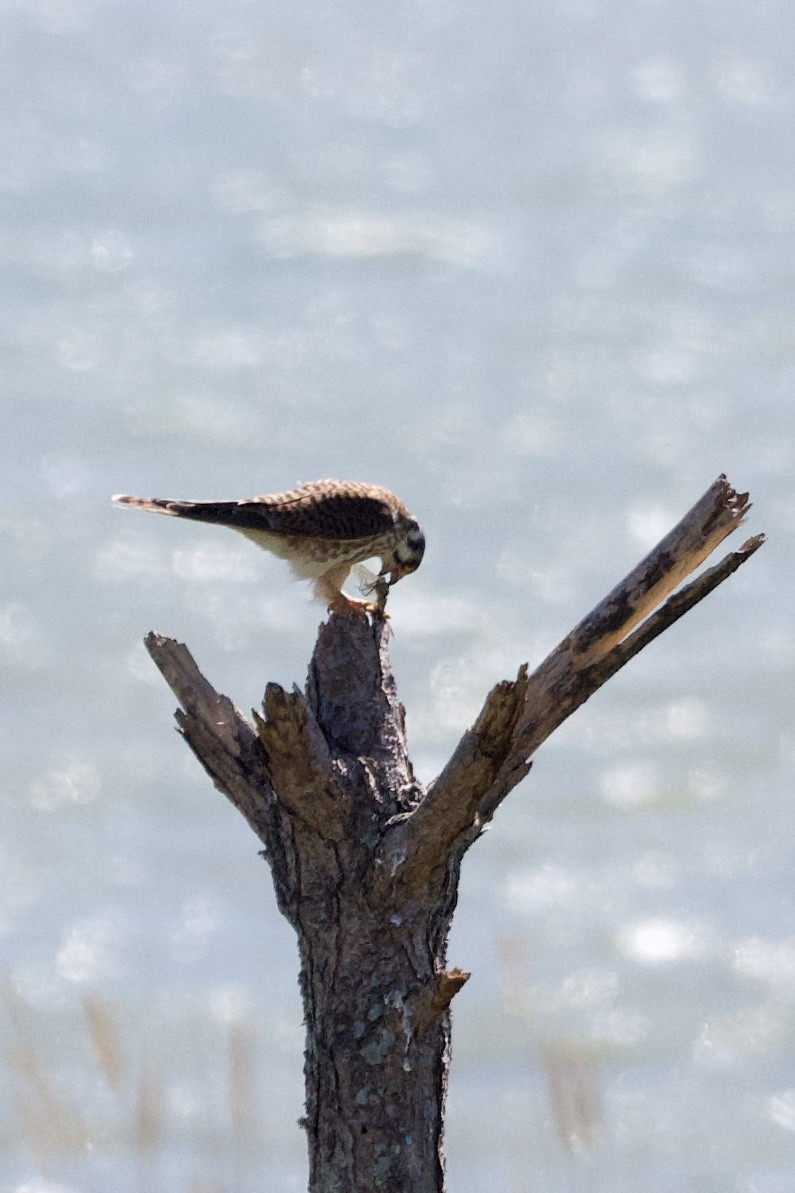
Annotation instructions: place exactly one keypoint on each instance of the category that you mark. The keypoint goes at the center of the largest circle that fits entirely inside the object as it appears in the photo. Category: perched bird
(322, 529)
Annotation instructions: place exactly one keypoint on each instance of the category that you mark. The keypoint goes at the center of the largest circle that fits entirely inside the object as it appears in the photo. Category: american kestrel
(321, 529)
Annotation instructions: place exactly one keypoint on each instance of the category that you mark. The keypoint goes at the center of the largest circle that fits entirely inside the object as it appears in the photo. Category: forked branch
(519, 715)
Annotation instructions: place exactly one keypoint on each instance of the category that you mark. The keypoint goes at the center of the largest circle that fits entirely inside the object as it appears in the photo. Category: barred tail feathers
(202, 511)
(223, 513)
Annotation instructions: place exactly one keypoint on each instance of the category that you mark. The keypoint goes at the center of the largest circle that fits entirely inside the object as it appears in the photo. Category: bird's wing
(309, 512)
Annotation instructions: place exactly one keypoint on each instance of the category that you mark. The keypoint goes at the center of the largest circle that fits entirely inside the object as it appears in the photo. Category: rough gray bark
(365, 861)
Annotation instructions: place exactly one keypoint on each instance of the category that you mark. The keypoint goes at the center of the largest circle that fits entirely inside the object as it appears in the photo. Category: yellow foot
(346, 604)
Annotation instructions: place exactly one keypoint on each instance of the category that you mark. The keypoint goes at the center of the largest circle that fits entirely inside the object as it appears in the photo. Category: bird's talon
(343, 606)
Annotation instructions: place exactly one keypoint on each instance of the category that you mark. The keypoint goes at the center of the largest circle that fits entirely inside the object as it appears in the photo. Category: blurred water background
(531, 267)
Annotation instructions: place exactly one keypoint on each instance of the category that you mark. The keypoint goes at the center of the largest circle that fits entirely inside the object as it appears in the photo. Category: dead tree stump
(366, 861)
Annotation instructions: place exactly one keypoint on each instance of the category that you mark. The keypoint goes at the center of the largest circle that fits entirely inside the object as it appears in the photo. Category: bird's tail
(200, 511)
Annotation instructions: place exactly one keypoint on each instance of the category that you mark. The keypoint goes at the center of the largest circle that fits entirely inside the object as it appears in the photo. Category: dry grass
(575, 1097)
(52, 1125)
(573, 1074)
(104, 1036)
(242, 1083)
(48, 1121)
(147, 1126)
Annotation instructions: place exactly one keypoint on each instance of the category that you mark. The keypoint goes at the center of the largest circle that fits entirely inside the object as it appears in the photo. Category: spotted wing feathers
(323, 509)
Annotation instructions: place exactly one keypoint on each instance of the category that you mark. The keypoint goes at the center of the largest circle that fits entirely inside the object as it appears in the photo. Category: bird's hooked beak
(392, 572)
(396, 570)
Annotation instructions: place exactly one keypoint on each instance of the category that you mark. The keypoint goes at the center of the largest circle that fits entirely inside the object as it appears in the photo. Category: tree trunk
(372, 951)
(366, 862)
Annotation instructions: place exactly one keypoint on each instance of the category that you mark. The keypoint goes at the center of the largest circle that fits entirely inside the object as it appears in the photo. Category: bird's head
(407, 555)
